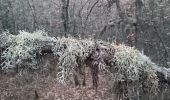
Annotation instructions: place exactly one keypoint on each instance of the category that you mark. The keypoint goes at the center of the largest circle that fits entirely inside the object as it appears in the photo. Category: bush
(134, 72)
(130, 70)
(22, 49)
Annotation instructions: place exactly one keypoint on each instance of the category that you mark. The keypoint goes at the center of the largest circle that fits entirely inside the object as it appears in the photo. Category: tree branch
(91, 10)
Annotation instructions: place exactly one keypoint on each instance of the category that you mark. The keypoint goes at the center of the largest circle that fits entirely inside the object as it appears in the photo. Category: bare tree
(32, 7)
(0, 25)
(65, 15)
(138, 31)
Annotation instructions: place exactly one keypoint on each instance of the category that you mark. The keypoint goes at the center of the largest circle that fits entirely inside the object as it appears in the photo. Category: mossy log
(163, 73)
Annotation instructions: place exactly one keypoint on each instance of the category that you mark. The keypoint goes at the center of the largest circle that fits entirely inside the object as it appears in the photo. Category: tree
(33, 10)
(65, 16)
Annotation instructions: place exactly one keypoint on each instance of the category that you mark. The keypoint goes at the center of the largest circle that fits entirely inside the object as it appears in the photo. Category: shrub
(70, 51)
(133, 70)
(130, 70)
(22, 48)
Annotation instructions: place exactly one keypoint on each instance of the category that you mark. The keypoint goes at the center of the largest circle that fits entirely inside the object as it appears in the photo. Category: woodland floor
(45, 86)
(30, 85)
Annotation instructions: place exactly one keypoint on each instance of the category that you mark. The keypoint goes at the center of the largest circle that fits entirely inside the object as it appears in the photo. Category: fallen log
(163, 74)
(123, 63)
(47, 43)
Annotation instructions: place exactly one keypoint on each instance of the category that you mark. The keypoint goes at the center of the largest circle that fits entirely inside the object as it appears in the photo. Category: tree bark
(122, 23)
(32, 7)
(163, 74)
(1, 29)
(138, 31)
(65, 16)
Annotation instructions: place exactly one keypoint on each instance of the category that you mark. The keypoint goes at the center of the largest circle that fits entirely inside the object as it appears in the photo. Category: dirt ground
(44, 86)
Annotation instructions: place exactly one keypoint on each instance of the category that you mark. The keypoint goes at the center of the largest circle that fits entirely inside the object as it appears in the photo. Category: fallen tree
(128, 67)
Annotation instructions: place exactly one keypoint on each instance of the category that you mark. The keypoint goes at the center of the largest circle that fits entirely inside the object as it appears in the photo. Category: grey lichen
(21, 48)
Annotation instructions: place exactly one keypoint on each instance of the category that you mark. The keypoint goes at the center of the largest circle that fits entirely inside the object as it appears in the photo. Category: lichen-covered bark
(126, 64)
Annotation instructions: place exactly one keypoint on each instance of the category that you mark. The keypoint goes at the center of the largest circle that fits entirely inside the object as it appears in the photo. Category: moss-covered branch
(125, 64)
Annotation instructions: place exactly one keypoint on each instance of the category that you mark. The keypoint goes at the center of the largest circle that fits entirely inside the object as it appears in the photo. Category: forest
(84, 49)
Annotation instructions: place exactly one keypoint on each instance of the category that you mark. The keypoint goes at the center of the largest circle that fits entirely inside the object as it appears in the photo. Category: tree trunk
(32, 7)
(1, 29)
(65, 16)
(138, 31)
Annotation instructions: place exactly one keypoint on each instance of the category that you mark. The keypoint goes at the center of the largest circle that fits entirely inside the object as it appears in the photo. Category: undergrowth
(22, 49)
(129, 69)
